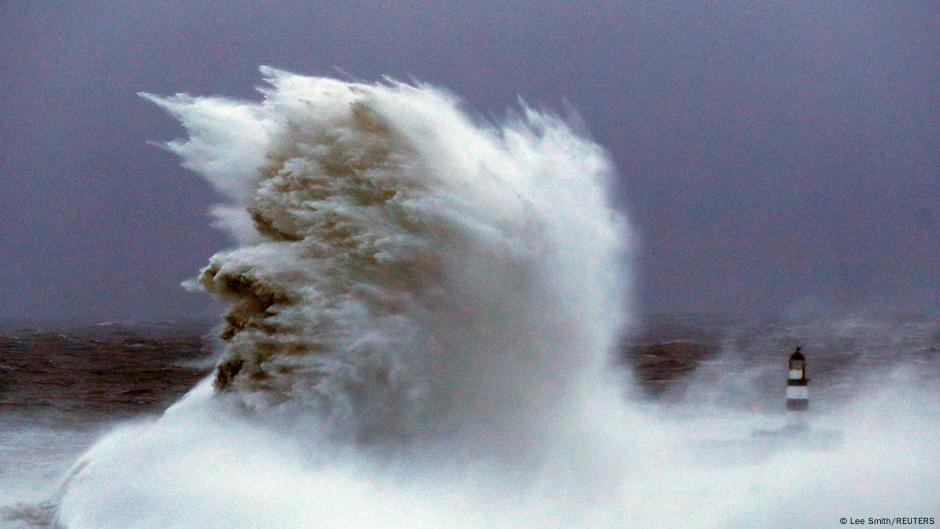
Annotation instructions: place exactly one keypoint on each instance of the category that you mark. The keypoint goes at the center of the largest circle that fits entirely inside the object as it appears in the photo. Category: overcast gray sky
(773, 156)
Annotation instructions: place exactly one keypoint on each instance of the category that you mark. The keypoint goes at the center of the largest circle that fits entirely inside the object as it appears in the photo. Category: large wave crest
(420, 309)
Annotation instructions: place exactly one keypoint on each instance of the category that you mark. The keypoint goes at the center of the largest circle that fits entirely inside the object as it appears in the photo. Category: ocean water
(425, 328)
(728, 386)
(62, 386)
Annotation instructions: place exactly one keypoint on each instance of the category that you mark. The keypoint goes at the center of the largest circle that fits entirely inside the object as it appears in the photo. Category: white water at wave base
(421, 309)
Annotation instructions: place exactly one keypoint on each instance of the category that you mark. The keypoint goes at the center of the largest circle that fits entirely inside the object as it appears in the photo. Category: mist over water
(422, 309)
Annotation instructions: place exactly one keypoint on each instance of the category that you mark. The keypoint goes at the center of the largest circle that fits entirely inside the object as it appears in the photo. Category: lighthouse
(797, 391)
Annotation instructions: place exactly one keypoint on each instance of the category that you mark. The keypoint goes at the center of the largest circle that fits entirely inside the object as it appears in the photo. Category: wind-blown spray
(405, 277)
(420, 306)
(402, 271)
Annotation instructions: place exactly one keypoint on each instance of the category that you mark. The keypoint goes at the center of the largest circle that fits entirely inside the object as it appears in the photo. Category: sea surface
(62, 387)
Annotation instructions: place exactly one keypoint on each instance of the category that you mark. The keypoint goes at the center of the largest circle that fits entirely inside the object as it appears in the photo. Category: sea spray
(408, 272)
(406, 279)
(421, 306)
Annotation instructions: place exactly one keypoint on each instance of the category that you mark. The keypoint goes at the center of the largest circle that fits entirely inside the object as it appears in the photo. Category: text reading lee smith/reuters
(887, 520)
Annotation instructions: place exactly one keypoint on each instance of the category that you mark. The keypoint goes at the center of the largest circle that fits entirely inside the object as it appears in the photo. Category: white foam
(424, 305)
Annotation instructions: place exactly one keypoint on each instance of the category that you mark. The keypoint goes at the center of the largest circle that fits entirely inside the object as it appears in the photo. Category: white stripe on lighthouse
(797, 393)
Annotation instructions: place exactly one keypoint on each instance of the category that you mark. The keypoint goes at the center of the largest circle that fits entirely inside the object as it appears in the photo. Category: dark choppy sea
(61, 387)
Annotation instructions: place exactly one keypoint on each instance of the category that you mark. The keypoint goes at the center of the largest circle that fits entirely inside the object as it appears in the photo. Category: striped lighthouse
(797, 390)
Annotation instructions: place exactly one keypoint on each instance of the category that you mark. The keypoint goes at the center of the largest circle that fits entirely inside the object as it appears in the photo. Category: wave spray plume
(406, 279)
(420, 311)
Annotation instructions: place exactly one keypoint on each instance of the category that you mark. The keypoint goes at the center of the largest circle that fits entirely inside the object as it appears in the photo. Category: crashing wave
(403, 270)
